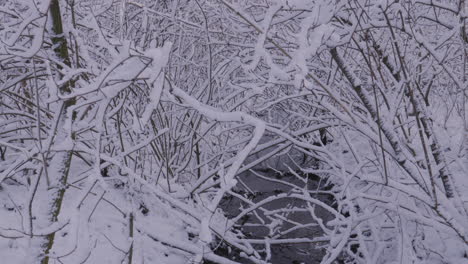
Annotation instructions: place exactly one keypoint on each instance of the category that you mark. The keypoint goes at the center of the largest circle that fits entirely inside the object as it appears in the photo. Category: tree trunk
(59, 165)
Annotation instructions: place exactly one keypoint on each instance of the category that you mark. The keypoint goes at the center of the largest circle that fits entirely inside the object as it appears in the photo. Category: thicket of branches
(125, 124)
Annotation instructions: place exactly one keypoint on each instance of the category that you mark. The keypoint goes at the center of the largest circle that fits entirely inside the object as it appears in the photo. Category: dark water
(259, 189)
